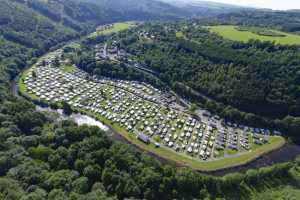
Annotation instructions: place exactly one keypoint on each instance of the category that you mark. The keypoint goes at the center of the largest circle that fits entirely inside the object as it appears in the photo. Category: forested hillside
(198, 8)
(25, 34)
(22, 25)
(164, 9)
(81, 17)
(142, 9)
(284, 20)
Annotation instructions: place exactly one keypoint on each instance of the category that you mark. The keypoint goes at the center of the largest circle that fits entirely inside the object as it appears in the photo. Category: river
(76, 117)
(285, 154)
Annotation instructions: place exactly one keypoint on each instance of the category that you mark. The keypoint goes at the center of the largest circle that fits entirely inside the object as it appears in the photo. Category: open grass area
(74, 45)
(67, 68)
(179, 34)
(231, 151)
(116, 27)
(22, 87)
(232, 33)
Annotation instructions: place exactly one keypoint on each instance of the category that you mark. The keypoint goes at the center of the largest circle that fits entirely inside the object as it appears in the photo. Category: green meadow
(116, 27)
(232, 33)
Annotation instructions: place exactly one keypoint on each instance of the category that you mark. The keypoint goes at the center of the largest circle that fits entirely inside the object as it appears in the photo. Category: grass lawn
(117, 27)
(22, 87)
(74, 45)
(67, 68)
(231, 151)
(218, 153)
(230, 32)
(179, 34)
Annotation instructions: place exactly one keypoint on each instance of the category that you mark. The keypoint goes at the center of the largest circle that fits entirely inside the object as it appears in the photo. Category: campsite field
(116, 27)
(182, 159)
(276, 142)
(232, 33)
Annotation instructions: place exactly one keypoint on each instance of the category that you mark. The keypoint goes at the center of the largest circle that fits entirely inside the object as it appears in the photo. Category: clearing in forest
(244, 34)
(112, 28)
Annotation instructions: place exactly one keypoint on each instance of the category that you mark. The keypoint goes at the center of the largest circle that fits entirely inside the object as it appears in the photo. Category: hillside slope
(285, 20)
(142, 9)
(199, 8)
(165, 9)
(78, 16)
(25, 34)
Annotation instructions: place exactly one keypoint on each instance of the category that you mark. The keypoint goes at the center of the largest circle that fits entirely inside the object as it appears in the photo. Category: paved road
(105, 50)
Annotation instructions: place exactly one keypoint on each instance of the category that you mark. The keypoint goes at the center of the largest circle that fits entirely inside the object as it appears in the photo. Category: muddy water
(76, 117)
(81, 119)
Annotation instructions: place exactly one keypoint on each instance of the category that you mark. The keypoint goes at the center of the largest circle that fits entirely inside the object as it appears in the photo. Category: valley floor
(138, 112)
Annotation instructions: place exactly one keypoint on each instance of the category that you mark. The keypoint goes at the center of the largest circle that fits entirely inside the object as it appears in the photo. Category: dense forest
(164, 9)
(44, 158)
(205, 8)
(142, 9)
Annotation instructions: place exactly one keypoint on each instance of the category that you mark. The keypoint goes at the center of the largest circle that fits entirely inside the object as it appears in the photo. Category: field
(67, 68)
(232, 33)
(179, 34)
(116, 27)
